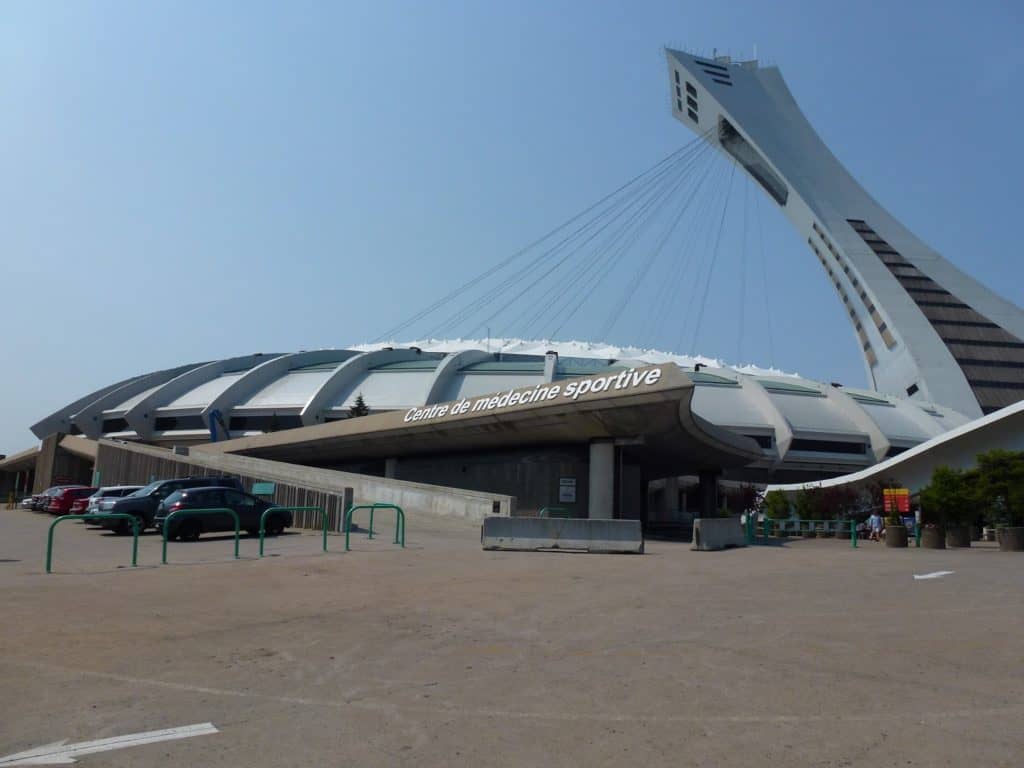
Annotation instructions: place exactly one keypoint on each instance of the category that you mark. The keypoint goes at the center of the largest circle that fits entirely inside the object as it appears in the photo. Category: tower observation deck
(925, 329)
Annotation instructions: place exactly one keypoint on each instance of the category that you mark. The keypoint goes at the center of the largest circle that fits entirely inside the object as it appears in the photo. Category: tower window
(692, 114)
(691, 102)
(912, 390)
(679, 92)
(679, 105)
(690, 89)
(677, 76)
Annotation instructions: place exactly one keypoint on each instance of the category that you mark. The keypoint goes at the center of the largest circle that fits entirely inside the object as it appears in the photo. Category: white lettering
(652, 376)
(408, 415)
(553, 392)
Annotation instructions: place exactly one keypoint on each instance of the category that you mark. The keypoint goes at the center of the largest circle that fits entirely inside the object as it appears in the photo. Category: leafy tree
(358, 408)
(951, 496)
(775, 505)
(1000, 486)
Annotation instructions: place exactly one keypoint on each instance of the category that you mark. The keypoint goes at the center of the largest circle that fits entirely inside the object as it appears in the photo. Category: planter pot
(1010, 539)
(896, 536)
(957, 536)
(933, 537)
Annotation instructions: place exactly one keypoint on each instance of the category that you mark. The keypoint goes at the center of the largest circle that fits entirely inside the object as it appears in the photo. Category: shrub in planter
(958, 536)
(933, 536)
(949, 501)
(895, 532)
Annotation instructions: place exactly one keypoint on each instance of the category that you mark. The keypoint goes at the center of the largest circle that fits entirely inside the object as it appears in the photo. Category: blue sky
(186, 181)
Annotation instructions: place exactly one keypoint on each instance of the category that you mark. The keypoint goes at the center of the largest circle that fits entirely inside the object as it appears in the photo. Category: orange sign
(896, 499)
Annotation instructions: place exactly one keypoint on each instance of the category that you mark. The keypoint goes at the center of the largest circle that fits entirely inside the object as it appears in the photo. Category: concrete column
(708, 494)
(602, 481)
(391, 468)
(670, 499)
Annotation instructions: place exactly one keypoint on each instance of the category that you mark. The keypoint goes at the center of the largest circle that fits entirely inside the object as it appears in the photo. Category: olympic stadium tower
(926, 330)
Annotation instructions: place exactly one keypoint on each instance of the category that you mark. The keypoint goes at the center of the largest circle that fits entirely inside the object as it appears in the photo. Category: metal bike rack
(263, 520)
(115, 515)
(196, 513)
(399, 521)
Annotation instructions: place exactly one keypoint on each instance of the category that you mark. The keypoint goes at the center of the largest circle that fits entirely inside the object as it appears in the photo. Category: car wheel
(190, 530)
(254, 532)
(274, 526)
(124, 528)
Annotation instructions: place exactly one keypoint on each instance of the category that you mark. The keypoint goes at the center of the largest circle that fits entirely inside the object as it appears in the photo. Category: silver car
(110, 493)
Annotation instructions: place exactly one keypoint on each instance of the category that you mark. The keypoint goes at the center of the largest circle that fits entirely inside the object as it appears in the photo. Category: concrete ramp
(527, 534)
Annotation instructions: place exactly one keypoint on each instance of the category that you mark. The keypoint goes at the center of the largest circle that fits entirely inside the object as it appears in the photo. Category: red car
(60, 502)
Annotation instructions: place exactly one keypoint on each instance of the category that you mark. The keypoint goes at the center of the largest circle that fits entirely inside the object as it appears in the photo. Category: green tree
(358, 408)
(775, 505)
(950, 498)
(1000, 486)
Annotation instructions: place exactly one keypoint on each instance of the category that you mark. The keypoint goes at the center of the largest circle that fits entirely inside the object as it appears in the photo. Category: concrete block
(714, 533)
(526, 534)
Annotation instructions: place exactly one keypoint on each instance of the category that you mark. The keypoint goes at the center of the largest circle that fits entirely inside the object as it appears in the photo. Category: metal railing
(269, 510)
(196, 513)
(399, 521)
(770, 527)
(114, 515)
(554, 512)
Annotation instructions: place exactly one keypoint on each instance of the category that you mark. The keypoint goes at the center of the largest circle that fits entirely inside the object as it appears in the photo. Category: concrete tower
(924, 327)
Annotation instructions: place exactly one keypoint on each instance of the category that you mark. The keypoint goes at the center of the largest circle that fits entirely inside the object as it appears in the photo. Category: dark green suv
(191, 527)
(143, 503)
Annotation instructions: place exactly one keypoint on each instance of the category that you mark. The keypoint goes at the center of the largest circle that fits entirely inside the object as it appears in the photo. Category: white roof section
(202, 395)
(292, 390)
(259, 393)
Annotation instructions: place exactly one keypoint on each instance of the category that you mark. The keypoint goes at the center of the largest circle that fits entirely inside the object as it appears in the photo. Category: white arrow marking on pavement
(917, 577)
(59, 752)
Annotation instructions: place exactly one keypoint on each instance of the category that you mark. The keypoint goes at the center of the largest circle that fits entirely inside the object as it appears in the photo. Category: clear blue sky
(186, 181)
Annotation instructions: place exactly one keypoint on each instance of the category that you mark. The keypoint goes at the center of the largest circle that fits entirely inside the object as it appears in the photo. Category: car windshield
(147, 489)
(174, 497)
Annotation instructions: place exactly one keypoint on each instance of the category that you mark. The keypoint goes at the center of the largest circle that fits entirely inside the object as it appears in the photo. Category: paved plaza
(807, 654)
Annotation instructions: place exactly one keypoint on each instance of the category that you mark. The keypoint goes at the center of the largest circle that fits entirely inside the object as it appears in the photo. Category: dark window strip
(996, 384)
(989, 363)
(709, 64)
(964, 323)
(950, 305)
(723, 82)
(827, 446)
(984, 343)
(941, 291)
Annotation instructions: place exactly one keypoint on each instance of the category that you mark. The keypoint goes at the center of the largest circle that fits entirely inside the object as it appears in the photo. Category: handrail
(546, 511)
(399, 520)
(769, 524)
(119, 515)
(268, 510)
(196, 513)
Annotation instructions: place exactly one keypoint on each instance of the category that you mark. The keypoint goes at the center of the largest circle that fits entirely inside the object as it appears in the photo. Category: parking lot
(811, 653)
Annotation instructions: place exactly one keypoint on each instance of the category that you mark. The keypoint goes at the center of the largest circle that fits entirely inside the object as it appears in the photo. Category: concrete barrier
(525, 534)
(713, 533)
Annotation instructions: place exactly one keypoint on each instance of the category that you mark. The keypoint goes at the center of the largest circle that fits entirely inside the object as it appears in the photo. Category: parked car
(248, 508)
(62, 501)
(142, 503)
(26, 503)
(107, 492)
(40, 501)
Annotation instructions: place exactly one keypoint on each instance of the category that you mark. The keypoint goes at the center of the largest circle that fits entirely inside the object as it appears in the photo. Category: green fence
(269, 510)
(804, 528)
(399, 521)
(197, 513)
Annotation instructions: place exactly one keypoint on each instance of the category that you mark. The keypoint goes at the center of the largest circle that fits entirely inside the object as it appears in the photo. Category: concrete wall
(297, 485)
(531, 475)
(56, 466)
